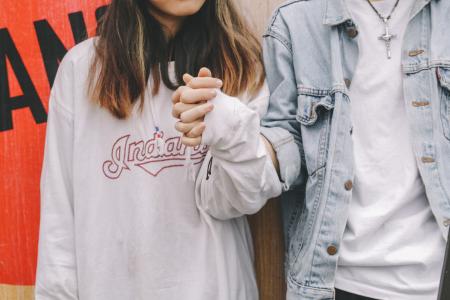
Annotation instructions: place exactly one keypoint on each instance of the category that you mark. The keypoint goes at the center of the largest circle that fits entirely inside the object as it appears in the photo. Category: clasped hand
(191, 105)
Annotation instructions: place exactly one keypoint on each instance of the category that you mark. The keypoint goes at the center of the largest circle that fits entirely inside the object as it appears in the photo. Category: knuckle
(185, 127)
(183, 97)
(206, 95)
(184, 90)
(198, 141)
(206, 108)
(184, 117)
(176, 108)
(192, 82)
(186, 141)
(179, 126)
(194, 133)
(196, 81)
(188, 97)
(175, 112)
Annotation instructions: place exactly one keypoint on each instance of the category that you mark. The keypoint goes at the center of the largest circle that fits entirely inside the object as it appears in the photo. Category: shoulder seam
(279, 7)
(272, 30)
(278, 37)
(287, 3)
(75, 56)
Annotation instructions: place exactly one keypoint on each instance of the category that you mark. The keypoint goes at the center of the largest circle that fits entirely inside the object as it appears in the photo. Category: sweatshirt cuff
(222, 121)
(287, 153)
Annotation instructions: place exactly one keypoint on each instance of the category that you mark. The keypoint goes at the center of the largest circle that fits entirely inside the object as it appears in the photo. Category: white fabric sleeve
(238, 176)
(56, 277)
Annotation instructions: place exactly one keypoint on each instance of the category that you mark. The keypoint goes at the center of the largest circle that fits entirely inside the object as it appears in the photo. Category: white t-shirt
(392, 247)
(121, 221)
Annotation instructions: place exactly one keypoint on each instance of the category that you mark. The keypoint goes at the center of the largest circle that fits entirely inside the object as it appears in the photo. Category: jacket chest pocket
(314, 114)
(444, 81)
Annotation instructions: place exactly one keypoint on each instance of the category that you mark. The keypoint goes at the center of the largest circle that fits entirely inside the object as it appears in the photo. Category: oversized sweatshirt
(122, 220)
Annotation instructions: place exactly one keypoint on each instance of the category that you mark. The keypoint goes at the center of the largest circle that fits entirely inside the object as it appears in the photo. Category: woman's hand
(190, 105)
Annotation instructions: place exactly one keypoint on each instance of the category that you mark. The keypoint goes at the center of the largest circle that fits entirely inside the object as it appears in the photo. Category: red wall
(34, 35)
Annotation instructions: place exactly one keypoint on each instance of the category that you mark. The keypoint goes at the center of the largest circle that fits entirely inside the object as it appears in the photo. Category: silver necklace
(387, 36)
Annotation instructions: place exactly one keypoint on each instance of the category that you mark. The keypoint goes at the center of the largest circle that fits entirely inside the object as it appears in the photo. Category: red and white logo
(126, 155)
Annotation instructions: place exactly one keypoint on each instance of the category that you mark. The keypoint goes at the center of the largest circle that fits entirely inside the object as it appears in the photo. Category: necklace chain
(387, 36)
(388, 17)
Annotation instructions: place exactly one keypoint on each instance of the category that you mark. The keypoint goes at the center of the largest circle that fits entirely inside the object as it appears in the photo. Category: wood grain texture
(259, 12)
(269, 251)
(16, 292)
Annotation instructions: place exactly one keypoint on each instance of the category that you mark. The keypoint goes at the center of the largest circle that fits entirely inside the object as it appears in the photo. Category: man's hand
(190, 105)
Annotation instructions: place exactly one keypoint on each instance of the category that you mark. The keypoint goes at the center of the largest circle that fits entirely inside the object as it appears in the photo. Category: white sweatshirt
(120, 221)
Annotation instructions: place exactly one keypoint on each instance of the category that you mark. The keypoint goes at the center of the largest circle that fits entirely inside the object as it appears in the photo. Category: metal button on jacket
(332, 250)
(348, 185)
(348, 82)
(352, 32)
(413, 53)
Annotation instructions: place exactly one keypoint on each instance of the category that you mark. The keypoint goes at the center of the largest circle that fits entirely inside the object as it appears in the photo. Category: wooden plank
(266, 225)
(269, 251)
(16, 292)
(259, 12)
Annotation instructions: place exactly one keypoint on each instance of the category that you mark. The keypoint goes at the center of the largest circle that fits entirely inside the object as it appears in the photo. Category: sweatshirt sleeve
(238, 176)
(56, 277)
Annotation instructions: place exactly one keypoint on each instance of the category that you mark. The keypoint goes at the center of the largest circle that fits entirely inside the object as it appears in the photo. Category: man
(359, 117)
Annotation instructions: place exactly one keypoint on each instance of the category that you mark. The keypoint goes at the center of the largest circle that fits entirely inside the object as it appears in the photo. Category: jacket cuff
(287, 153)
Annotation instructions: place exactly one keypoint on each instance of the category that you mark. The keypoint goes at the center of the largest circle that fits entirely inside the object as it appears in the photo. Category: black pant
(342, 295)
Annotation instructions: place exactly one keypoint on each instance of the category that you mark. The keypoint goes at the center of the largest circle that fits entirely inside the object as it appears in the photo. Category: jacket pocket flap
(444, 77)
(309, 107)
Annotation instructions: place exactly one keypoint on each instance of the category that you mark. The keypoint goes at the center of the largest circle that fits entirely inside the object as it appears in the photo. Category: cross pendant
(387, 38)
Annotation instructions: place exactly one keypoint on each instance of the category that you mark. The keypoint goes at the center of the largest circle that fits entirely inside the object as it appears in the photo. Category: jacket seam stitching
(300, 285)
(283, 142)
(278, 37)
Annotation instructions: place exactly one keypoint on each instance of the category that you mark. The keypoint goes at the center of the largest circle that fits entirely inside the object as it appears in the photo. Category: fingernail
(214, 93)
(219, 83)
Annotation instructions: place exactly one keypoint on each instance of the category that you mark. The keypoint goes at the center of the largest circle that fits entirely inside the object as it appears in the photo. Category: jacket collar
(336, 11)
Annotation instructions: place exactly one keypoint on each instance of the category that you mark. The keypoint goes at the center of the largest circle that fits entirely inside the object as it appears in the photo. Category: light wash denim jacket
(310, 53)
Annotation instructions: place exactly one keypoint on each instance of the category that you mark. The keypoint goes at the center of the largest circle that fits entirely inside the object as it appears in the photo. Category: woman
(128, 210)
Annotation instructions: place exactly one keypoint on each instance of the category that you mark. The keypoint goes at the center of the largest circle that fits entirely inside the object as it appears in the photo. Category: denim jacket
(310, 53)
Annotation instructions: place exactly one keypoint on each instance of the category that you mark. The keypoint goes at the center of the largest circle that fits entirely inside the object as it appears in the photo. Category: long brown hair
(131, 45)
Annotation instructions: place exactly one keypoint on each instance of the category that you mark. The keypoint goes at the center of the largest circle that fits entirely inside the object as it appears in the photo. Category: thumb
(204, 72)
(187, 78)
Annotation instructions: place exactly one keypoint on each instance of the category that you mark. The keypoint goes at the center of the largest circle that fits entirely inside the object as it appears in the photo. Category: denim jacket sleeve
(280, 125)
